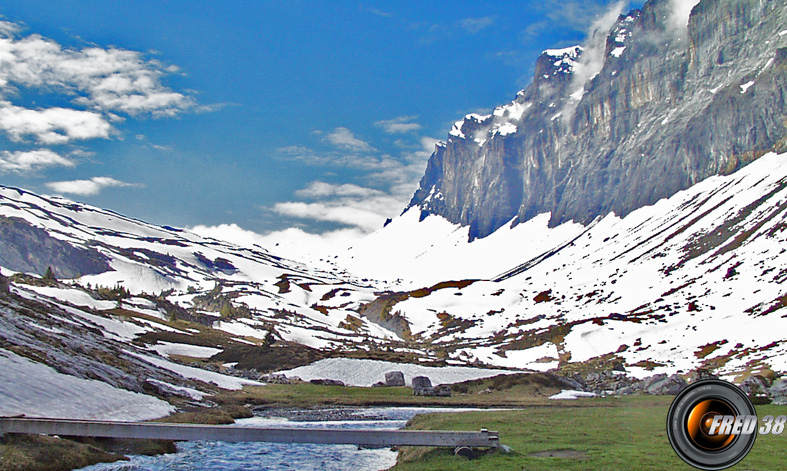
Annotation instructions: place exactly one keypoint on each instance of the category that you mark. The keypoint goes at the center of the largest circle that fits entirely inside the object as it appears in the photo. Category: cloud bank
(402, 124)
(681, 10)
(30, 161)
(344, 138)
(86, 187)
(96, 89)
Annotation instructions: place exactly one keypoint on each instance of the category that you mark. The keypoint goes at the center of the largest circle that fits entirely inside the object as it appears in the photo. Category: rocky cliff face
(670, 105)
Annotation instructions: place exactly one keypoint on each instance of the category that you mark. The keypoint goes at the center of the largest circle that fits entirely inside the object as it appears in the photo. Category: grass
(26, 452)
(512, 391)
(596, 434)
(589, 434)
(23, 452)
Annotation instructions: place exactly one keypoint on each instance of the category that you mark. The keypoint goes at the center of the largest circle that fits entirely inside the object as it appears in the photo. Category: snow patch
(220, 380)
(570, 395)
(506, 129)
(168, 348)
(353, 372)
(37, 390)
(746, 86)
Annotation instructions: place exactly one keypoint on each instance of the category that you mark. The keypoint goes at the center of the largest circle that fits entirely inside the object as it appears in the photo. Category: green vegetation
(597, 434)
(49, 275)
(216, 301)
(500, 391)
(21, 452)
(223, 415)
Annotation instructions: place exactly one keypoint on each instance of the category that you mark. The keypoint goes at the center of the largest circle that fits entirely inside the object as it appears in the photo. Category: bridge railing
(229, 433)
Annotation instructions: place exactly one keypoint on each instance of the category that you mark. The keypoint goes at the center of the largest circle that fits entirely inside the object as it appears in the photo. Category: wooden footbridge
(225, 433)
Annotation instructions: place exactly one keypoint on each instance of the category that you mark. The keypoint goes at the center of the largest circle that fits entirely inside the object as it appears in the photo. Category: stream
(222, 456)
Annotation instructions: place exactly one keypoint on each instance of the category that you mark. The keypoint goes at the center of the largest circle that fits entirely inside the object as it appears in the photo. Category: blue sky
(316, 115)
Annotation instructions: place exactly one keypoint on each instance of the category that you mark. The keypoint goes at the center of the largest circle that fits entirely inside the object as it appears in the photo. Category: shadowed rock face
(669, 107)
(29, 249)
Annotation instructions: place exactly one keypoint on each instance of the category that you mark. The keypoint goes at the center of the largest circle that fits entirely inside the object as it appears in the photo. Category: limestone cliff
(646, 111)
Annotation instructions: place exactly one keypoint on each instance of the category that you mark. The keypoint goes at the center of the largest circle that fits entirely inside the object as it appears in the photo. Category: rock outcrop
(669, 106)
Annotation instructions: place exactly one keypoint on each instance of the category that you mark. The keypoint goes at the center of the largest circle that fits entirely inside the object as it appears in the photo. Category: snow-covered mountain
(103, 248)
(696, 280)
(635, 219)
(652, 104)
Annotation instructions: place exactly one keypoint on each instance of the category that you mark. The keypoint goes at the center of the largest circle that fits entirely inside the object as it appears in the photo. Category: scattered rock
(669, 386)
(276, 378)
(442, 390)
(327, 382)
(778, 392)
(165, 390)
(573, 383)
(700, 374)
(648, 382)
(754, 385)
(422, 386)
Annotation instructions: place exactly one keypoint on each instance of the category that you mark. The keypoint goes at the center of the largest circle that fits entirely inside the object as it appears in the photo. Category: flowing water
(221, 456)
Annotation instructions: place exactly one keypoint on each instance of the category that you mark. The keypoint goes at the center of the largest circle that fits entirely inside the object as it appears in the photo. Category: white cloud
(375, 11)
(476, 25)
(344, 138)
(52, 125)
(106, 80)
(593, 56)
(402, 124)
(33, 160)
(680, 12)
(8, 29)
(366, 214)
(388, 184)
(86, 187)
(323, 190)
(576, 15)
(294, 243)
(102, 84)
(297, 244)
(230, 233)
(592, 60)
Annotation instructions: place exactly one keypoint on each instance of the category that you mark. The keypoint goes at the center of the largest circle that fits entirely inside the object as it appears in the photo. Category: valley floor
(597, 433)
(600, 434)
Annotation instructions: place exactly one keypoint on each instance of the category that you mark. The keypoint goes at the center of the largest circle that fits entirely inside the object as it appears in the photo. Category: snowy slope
(353, 372)
(306, 305)
(60, 359)
(37, 390)
(696, 279)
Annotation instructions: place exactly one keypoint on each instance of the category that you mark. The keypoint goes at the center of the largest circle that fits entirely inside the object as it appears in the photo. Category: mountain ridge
(680, 106)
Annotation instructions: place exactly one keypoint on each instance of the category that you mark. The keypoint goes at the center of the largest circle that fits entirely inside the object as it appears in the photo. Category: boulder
(700, 374)
(667, 387)
(421, 382)
(778, 392)
(648, 382)
(754, 385)
(394, 379)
